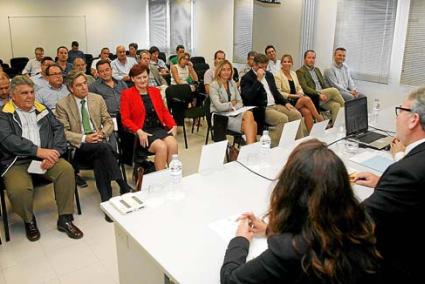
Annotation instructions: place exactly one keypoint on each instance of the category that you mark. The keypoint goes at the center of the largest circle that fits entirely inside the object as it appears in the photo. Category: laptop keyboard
(370, 137)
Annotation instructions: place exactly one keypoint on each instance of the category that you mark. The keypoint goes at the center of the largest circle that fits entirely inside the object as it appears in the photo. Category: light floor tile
(94, 273)
(32, 270)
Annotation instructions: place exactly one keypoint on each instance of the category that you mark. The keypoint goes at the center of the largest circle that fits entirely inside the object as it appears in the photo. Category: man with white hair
(122, 64)
(33, 66)
(398, 202)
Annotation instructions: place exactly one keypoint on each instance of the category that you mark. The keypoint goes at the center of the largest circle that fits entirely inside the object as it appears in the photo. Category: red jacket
(133, 110)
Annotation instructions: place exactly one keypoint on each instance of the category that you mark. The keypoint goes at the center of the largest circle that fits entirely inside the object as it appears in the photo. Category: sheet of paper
(289, 133)
(319, 128)
(373, 160)
(212, 157)
(238, 111)
(35, 168)
(226, 229)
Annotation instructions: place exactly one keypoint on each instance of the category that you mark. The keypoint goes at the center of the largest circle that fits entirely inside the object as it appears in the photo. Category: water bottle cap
(265, 132)
(174, 156)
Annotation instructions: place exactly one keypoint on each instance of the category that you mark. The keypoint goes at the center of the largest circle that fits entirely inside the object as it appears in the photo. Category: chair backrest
(207, 110)
(235, 75)
(19, 63)
(178, 97)
(197, 60)
(89, 60)
(162, 56)
(112, 56)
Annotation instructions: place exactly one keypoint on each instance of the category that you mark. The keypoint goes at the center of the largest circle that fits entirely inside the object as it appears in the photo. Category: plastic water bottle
(375, 111)
(176, 170)
(265, 144)
(340, 139)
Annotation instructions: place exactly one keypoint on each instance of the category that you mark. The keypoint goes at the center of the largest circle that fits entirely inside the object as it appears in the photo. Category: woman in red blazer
(143, 113)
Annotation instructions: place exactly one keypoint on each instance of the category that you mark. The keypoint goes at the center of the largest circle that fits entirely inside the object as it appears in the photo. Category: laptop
(356, 125)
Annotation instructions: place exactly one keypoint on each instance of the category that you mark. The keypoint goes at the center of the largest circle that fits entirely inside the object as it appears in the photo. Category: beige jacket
(282, 83)
(67, 113)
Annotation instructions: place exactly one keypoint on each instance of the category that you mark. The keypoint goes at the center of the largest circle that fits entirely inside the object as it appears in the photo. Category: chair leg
(184, 135)
(123, 172)
(4, 213)
(199, 123)
(208, 134)
(77, 200)
(193, 124)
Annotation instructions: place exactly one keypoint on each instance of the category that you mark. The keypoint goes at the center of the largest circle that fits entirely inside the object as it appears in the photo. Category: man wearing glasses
(398, 202)
(55, 91)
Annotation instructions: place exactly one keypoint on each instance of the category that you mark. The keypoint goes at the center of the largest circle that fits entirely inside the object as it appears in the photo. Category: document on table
(373, 160)
(226, 229)
(238, 111)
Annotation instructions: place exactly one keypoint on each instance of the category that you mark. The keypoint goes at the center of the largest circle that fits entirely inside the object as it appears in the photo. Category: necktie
(85, 118)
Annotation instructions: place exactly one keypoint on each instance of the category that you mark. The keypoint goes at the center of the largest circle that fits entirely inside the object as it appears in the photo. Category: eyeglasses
(399, 109)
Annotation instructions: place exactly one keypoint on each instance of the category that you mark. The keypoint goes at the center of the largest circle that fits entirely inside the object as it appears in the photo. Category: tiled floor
(55, 258)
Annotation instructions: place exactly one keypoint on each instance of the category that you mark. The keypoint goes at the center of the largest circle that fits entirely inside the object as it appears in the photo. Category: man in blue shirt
(75, 52)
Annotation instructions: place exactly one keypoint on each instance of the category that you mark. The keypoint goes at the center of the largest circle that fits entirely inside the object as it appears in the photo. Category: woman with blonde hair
(288, 85)
(225, 97)
(317, 231)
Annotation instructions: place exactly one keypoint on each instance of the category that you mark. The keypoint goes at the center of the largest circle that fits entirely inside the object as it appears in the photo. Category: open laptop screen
(356, 116)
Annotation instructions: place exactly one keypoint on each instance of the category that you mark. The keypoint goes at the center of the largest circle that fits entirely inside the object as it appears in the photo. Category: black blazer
(398, 207)
(280, 263)
(254, 94)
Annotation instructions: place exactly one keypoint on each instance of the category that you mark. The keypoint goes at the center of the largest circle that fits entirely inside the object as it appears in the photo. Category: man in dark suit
(398, 202)
(258, 88)
(87, 126)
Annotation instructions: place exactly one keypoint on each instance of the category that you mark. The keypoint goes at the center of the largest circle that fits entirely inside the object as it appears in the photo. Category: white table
(174, 238)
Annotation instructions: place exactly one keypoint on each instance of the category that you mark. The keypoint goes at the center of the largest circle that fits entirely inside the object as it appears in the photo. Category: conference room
(211, 141)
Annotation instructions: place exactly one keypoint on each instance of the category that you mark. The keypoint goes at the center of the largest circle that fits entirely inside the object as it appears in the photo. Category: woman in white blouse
(225, 97)
(288, 85)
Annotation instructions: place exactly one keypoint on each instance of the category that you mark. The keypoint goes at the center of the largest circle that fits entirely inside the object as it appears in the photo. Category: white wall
(109, 22)
(279, 25)
(213, 28)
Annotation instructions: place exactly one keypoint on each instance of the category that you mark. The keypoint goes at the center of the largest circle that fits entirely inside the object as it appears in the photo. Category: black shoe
(65, 225)
(80, 181)
(31, 230)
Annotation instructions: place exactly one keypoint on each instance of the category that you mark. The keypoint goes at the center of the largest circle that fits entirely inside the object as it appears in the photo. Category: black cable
(338, 140)
(246, 167)
(388, 132)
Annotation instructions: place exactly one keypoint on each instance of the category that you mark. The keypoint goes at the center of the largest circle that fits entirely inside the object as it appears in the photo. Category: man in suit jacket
(314, 86)
(258, 88)
(87, 125)
(398, 201)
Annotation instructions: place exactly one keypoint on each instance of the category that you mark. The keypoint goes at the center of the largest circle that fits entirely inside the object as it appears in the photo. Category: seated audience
(183, 72)
(288, 85)
(41, 79)
(397, 204)
(158, 62)
(258, 88)
(55, 90)
(33, 66)
(225, 97)
(87, 126)
(274, 63)
(155, 79)
(317, 232)
(339, 76)
(249, 63)
(28, 132)
(108, 87)
(179, 50)
(62, 60)
(104, 55)
(122, 65)
(219, 56)
(314, 86)
(132, 51)
(4, 88)
(80, 65)
(75, 52)
(144, 114)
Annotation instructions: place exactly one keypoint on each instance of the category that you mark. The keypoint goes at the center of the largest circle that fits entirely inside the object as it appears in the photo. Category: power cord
(246, 167)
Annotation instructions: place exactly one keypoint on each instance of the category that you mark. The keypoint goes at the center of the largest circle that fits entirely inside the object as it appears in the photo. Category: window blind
(180, 24)
(414, 53)
(242, 29)
(158, 35)
(366, 29)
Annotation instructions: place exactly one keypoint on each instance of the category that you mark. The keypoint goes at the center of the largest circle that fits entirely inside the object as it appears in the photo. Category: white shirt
(30, 128)
(32, 68)
(273, 67)
(119, 70)
(399, 155)
(78, 102)
(270, 98)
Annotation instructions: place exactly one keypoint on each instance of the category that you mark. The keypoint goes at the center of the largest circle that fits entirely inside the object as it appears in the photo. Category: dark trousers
(101, 157)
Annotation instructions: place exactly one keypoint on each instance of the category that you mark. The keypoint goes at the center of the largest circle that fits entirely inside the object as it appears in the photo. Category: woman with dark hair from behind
(317, 231)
